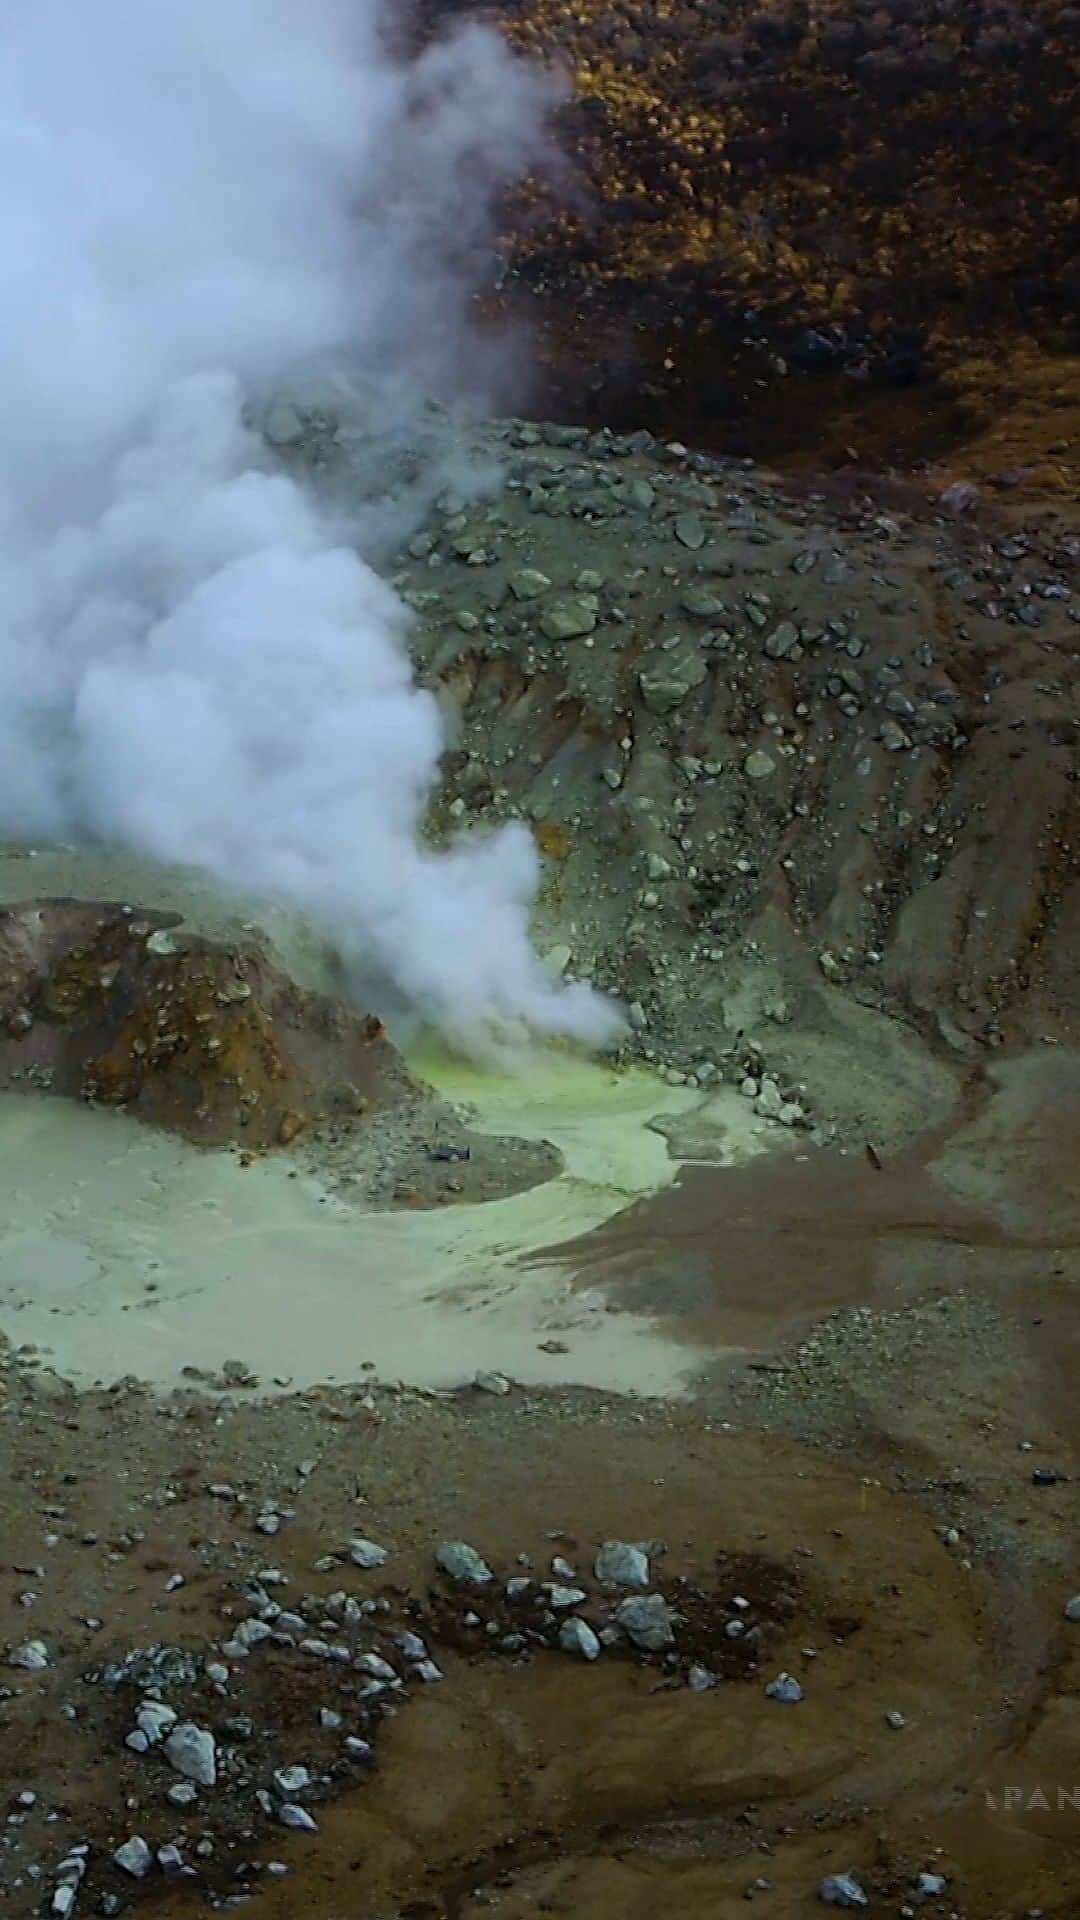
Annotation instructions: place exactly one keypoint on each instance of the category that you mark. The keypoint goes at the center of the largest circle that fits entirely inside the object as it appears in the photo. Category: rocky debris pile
(125, 1007)
(207, 1764)
(791, 757)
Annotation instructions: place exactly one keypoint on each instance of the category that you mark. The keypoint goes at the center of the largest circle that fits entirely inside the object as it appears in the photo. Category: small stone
(700, 1680)
(930, 1885)
(529, 583)
(559, 1598)
(367, 1555)
(702, 603)
(786, 1689)
(895, 1720)
(356, 1748)
(155, 1720)
(1072, 1609)
(182, 1793)
(170, 1859)
(192, 1752)
(134, 1857)
(577, 1637)
(462, 1563)
(568, 620)
(618, 1564)
(32, 1655)
(496, 1383)
(63, 1901)
(759, 764)
(299, 1818)
(376, 1666)
(842, 1890)
(690, 531)
(330, 1720)
(290, 1781)
(648, 1621)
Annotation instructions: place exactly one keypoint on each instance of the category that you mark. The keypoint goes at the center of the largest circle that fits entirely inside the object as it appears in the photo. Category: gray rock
(376, 1666)
(759, 764)
(462, 1563)
(154, 1719)
(63, 1900)
(134, 1857)
(1072, 1608)
(289, 1782)
(568, 620)
(299, 1818)
(701, 603)
(665, 685)
(648, 1621)
(782, 643)
(182, 1793)
(690, 531)
(929, 1885)
(366, 1555)
(562, 1597)
(497, 1383)
(170, 1859)
(842, 1890)
(786, 1689)
(577, 1637)
(618, 1564)
(191, 1751)
(700, 1680)
(529, 583)
(32, 1655)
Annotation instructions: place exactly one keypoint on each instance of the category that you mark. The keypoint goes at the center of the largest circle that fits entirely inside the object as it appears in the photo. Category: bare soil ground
(801, 764)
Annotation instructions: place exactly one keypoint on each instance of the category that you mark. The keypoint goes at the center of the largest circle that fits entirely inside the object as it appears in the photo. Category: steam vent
(540, 960)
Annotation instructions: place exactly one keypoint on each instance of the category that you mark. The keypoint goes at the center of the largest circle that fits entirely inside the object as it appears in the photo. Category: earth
(628, 1486)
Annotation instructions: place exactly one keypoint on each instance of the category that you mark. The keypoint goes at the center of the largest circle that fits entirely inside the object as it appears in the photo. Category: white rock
(293, 1816)
(367, 1555)
(33, 1655)
(462, 1562)
(134, 1857)
(192, 1752)
(290, 1781)
(577, 1637)
(618, 1564)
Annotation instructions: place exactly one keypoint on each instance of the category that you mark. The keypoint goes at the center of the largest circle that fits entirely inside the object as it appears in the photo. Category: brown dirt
(116, 1007)
(531, 1784)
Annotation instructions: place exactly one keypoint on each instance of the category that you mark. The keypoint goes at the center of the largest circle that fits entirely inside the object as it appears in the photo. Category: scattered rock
(648, 1621)
(786, 1689)
(134, 1857)
(32, 1655)
(577, 1637)
(367, 1555)
(618, 1564)
(461, 1562)
(842, 1890)
(192, 1752)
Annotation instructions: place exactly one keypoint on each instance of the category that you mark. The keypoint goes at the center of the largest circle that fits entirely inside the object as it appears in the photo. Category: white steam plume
(198, 197)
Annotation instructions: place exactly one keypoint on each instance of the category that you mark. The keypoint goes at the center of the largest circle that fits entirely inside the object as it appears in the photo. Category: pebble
(192, 1752)
(182, 1793)
(462, 1563)
(1072, 1608)
(32, 1655)
(786, 1689)
(170, 1859)
(289, 1781)
(567, 620)
(648, 1621)
(134, 1857)
(367, 1555)
(700, 1680)
(930, 1885)
(842, 1890)
(299, 1818)
(759, 765)
(498, 1383)
(562, 1597)
(618, 1564)
(577, 1637)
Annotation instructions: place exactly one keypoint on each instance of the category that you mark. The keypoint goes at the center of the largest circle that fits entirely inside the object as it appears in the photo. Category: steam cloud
(200, 197)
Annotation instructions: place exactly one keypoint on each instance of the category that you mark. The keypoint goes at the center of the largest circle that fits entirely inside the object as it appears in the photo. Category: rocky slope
(801, 763)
